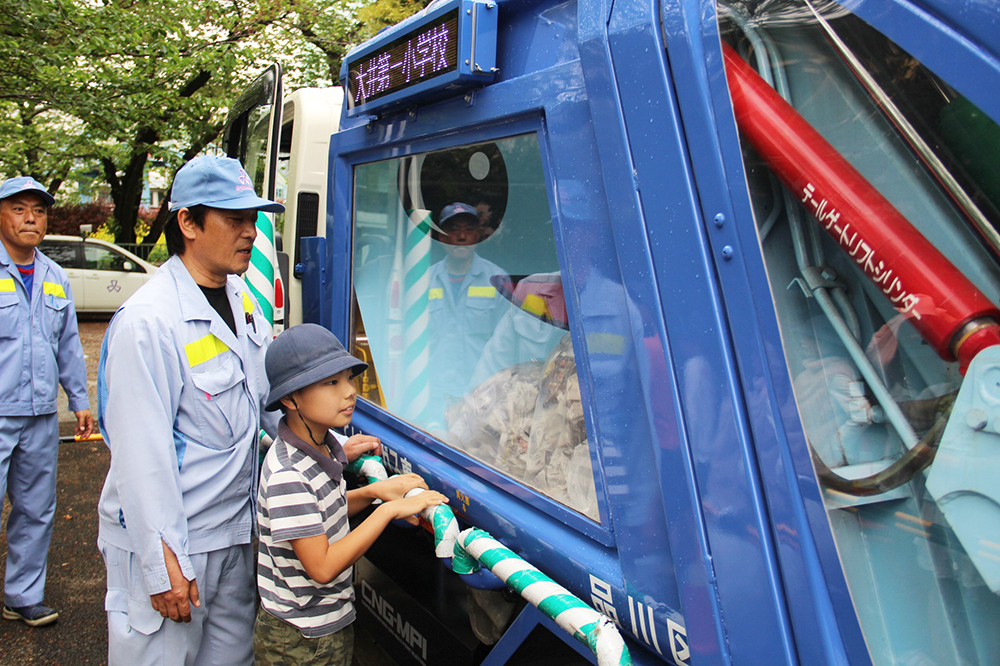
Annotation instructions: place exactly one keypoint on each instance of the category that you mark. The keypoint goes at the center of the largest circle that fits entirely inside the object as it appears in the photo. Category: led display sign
(440, 52)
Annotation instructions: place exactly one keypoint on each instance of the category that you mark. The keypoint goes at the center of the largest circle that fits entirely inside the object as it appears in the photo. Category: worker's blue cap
(20, 184)
(217, 182)
(303, 355)
(452, 211)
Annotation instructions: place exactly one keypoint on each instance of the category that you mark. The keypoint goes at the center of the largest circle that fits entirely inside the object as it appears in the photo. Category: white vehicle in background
(299, 140)
(102, 275)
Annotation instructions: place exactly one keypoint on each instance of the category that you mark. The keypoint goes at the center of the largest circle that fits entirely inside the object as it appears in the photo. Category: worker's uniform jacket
(39, 342)
(181, 409)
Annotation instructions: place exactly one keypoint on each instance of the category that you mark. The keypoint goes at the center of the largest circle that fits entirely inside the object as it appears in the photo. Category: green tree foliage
(109, 87)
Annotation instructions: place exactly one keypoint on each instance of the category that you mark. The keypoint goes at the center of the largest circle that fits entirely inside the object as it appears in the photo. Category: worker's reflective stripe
(204, 349)
(6, 284)
(482, 292)
(53, 289)
(434, 294)
(536, 305)
(606, 343)
(247, 303)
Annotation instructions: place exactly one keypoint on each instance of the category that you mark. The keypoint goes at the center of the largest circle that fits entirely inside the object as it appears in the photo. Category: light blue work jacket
(461, 321)
(39, 342)
(181, 402)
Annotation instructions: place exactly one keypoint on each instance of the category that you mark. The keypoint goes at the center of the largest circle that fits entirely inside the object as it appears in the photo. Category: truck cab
(721, 355)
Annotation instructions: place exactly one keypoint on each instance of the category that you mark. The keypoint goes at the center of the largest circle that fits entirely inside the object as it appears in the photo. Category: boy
(306, 546)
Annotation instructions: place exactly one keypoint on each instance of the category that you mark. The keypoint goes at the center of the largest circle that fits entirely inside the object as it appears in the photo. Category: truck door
(252, 135)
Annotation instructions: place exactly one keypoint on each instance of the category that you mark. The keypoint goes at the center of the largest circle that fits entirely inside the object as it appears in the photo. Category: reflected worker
(464, 307)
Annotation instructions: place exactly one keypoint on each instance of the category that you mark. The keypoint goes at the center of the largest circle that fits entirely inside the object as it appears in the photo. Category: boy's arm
(324, 561)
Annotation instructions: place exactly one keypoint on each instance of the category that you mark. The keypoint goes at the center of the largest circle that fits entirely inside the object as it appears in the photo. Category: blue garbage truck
(689, 307)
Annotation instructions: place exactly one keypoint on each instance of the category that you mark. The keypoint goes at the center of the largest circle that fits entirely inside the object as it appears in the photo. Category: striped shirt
(302, 494)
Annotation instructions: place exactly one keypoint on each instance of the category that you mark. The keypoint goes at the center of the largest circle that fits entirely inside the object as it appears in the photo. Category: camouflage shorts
(278, 643)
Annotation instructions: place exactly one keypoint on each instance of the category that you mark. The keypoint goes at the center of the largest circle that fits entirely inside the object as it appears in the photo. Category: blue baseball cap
(20, 184)
(454, 210)
(303, 355)
(217, 182)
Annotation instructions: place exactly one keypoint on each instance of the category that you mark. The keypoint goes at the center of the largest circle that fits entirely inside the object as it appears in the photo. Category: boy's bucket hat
(19, 184)
(304, 355)
(217, 182)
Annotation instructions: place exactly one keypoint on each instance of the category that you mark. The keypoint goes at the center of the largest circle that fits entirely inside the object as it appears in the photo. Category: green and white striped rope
(260, 275)
(591, 628)
(370, 467)
(442, 518)
(474, 547)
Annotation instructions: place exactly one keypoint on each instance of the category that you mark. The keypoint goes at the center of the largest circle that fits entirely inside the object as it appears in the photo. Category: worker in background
(463, 305)
(181, 385)
(39, 348)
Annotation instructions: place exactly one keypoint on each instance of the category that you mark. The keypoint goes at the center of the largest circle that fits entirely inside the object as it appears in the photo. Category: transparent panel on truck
(460, 311)
(881, 312)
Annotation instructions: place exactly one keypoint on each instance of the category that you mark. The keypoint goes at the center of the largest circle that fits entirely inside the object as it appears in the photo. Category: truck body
(723, 361)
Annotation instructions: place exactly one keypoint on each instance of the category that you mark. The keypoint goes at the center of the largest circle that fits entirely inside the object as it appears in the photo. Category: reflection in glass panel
(460, 311)
(876, 311)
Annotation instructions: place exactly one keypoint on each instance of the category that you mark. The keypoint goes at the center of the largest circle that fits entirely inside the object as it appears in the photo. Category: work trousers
(220, 632)
(29, 450)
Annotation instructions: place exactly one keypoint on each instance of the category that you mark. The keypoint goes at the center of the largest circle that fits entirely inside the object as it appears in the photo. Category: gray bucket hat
(304, 355)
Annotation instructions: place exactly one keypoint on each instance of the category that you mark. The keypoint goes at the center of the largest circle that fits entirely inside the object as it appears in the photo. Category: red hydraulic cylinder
(941, 303)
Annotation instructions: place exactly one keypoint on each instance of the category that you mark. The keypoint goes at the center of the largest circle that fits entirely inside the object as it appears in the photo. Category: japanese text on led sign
(415, 57)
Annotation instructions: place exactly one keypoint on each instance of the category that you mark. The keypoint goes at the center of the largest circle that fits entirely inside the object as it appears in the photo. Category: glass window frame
(354, 151)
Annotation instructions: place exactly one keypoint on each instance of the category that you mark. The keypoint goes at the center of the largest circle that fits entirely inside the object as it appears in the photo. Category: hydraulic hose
(951, 314)
(900, 472)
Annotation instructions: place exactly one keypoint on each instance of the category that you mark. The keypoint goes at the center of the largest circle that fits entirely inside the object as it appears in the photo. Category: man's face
(23, 221)
(461, 235)
(223, 247)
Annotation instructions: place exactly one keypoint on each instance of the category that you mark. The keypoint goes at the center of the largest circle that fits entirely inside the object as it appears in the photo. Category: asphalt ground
(75, 579)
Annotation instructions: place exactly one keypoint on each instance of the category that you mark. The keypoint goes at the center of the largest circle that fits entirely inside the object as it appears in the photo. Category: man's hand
(174, 602)
(84, 424)
(362, 444)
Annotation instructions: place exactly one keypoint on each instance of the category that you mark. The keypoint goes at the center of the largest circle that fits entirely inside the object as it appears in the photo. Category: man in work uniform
(181, 385)
(39, 348)
(463, 305)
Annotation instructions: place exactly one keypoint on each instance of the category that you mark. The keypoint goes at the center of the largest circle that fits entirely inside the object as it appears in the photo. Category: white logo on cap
(27, 185)
(244, 181)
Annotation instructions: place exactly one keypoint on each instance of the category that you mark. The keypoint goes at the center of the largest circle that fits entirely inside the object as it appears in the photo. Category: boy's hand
(395, 487)
(408, 507)
(362, 444)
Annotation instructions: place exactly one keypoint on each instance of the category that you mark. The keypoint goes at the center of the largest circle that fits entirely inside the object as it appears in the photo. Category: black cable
(898, 473)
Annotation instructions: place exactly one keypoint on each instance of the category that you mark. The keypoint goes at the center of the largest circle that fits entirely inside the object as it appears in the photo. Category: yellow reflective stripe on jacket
(53, 289)
(482, 292)
(204, 349)
(536, 305)
(435, 293)
(6, 284)
(247, 303)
